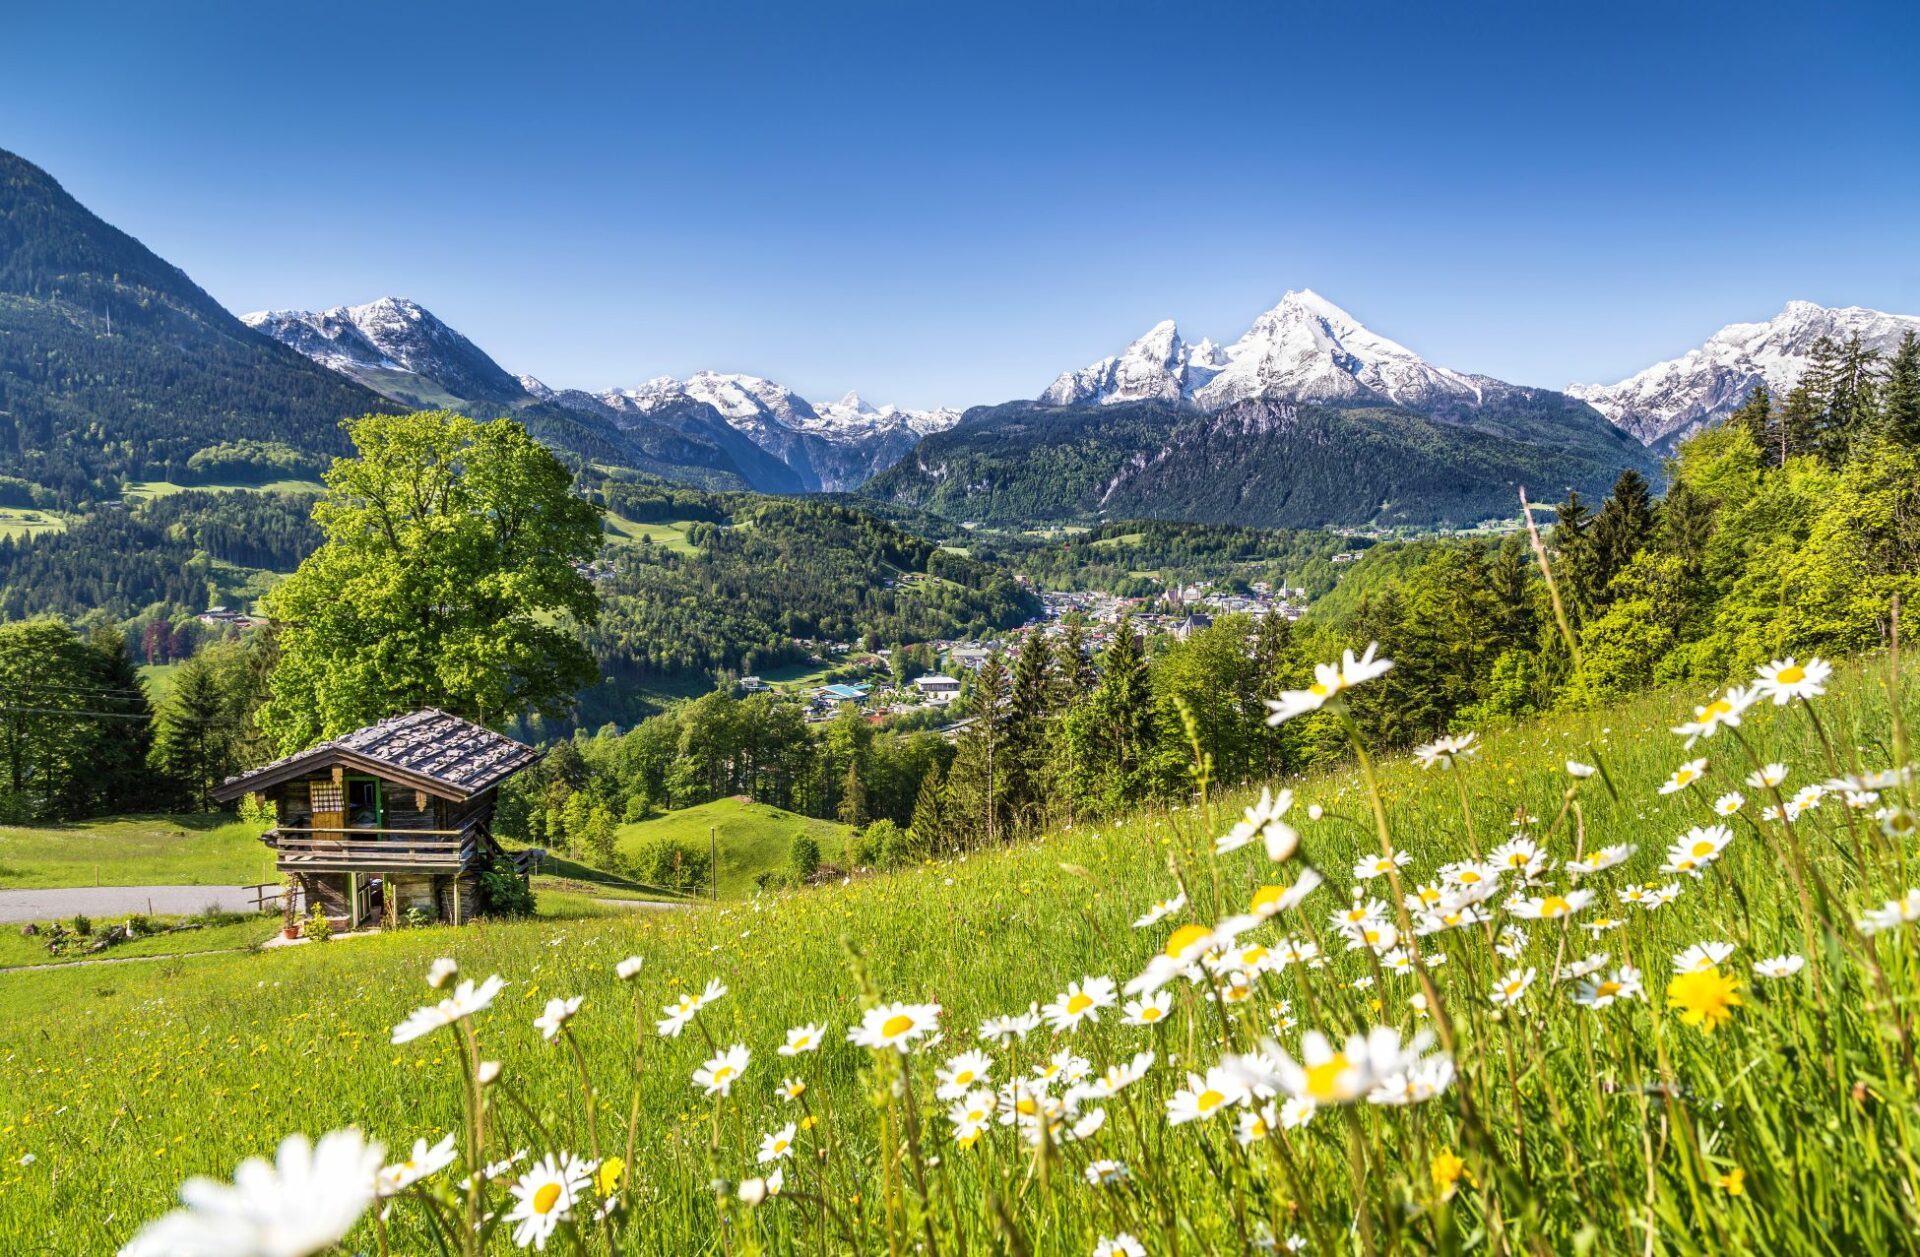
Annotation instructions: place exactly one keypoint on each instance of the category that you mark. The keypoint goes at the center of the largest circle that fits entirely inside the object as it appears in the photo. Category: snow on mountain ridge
(1671, 399)
(1304, 349)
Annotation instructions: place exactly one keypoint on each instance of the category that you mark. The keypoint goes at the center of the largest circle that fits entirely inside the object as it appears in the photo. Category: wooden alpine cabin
(390, 818)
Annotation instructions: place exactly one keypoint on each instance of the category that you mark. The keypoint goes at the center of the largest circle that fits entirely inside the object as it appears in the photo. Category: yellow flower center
(723, 1073)
(1318, 690)
(1792, 674)
(1184, 937)
(1080, 1003)
(1469, 877)
(1323, 1080)
(963, 1077)
(895, 1026)
(1268, 897)
(1702, 848)
(1209, 1100)
(1683, 776)
(779, 1145)
(1150, 1013)
(546, 1198)
(1554, 906)
(1718, 707)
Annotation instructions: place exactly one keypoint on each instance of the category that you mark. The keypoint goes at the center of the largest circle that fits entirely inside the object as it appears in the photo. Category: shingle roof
(430, 748)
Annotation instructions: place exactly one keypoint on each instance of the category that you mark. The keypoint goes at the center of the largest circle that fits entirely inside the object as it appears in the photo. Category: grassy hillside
(754, 838)
(154, 850)
(1615, 1130)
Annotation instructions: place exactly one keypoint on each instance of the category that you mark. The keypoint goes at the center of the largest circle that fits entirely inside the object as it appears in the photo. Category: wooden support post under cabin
(419, 800)
(339, 775)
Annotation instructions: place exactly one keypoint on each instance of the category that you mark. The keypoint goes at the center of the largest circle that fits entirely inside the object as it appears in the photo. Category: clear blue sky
(950, 202)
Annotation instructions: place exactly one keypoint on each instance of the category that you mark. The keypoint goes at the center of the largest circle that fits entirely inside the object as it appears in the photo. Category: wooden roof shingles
(431, 749)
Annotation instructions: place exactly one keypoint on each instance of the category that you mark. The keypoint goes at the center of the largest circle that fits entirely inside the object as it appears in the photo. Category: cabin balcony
(364, 849)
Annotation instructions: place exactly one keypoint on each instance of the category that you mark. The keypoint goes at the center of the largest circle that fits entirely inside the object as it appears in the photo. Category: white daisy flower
(802, 1039)
(1701, 957)
(895, 1026)
(722, 1070)
(1328, 681)
(1081, 1002)
(778, 1145)
(1779, 966)
(1684, 776)
(424, 1161)
(1444, 751)
(1511, 988)
(304, 1202)
(441, 972)
(1724, 711)
(1160, 911)
(558, 1013)
(1623, 984)
(466, 1000)
(1785, 681)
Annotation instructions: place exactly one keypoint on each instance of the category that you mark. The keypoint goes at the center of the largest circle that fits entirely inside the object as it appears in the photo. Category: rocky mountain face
(773, 438)
(1670, 400)
(1305, 349)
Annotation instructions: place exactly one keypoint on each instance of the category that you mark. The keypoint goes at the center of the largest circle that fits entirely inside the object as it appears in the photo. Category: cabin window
(324, 795)
(363, 802)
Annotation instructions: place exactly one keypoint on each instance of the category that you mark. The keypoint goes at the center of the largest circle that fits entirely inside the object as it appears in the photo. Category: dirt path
(62, 903)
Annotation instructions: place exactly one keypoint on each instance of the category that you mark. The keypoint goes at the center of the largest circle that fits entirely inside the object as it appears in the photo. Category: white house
(937, 689)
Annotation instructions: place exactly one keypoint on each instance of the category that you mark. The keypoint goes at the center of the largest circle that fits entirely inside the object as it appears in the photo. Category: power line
(68, 711)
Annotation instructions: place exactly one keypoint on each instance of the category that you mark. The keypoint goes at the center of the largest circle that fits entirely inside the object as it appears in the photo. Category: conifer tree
(1900, 395)
(928, 825)
(1073, 670)
(1755, 414)
(194, 735)
(1029, 731)
(1623, 526)
(975, 813)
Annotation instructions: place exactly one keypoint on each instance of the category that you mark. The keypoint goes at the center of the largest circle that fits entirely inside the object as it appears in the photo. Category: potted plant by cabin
(289, 923)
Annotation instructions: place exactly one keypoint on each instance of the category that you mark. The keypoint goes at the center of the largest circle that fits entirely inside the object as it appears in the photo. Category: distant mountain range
(776, 440)
(114, 366)
(1671, 400)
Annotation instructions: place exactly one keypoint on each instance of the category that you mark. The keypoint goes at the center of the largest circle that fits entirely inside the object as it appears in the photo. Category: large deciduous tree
(447, 579)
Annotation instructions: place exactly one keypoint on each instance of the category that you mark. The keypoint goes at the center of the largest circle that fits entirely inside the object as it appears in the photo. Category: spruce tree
(1573, 547)
(1073, 670)
(117, 778)
(1755, 414)
(193, 735)
(975, 788)
(1623, 526)
(853, 796)
(928, 825)
(1900, 394)
(1029, 731)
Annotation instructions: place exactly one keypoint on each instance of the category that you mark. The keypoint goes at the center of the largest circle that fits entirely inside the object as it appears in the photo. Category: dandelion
(1081, 1002)
(466, 1000)
(1779, 966)
(894, 1026)
(1733, 1182)
(304, 1202)
(1447, 1171)
(1705, 997)
(1328, 681)
(1624, 983)
(1684, 776)
(423, 1162)
(680, 1013)
(628, 969)
(1511, 988)
(1784, 682)
(722, 1070)
(802, 1039)
(558, 1013)
(778, 1145)
(1444, 751)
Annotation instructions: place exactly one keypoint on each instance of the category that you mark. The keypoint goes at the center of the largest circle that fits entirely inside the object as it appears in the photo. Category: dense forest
(1257, 463)
(761, 572)
(159, 557)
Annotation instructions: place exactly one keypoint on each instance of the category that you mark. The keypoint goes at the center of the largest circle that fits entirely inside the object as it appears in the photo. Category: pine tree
(1900, 395)
(117, 778)
(1573, 546)
(1029, 731)
(193, 735)
(1686, 524)
(1510, 578)
(1827, 403)
(853, 796)
(1797, 430)
(928, 825)
(976, 804)
(1623, 526)
(1073, 670)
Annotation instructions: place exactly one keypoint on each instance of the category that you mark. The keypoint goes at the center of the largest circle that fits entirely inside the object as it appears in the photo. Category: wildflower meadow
(1636, 980)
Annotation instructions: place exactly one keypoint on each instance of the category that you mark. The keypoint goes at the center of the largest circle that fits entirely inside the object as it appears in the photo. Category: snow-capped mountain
(1672, 399)
(1304, 349)
(395, 347)
(775, 439)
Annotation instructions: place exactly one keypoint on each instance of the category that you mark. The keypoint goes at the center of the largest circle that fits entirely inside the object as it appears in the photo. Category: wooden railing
(373, 846)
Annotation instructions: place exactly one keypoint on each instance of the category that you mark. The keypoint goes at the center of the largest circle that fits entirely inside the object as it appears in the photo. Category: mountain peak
(1305, 348)
(1674, 398)
(397, 347)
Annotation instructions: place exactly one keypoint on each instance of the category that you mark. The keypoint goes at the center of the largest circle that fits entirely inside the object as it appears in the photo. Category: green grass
(671, 536)
(799, 676)
(159, 680)
(24, 523)
(1592, 1132)
(754, 838)
(225, 933)
(152, 850)
(141, 490)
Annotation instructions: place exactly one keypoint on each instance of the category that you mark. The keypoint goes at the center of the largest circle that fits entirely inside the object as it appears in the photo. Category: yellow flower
(1733, 1182)
(1706, 997)
(1447, 1170)
(609, 1176)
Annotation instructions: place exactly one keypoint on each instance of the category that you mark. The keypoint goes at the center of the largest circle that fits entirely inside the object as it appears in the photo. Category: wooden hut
(393, 817)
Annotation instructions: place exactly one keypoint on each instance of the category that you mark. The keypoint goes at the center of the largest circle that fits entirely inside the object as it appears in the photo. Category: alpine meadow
(614, 641)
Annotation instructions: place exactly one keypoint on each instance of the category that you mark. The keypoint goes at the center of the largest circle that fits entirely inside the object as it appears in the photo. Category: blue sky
(949, 203)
